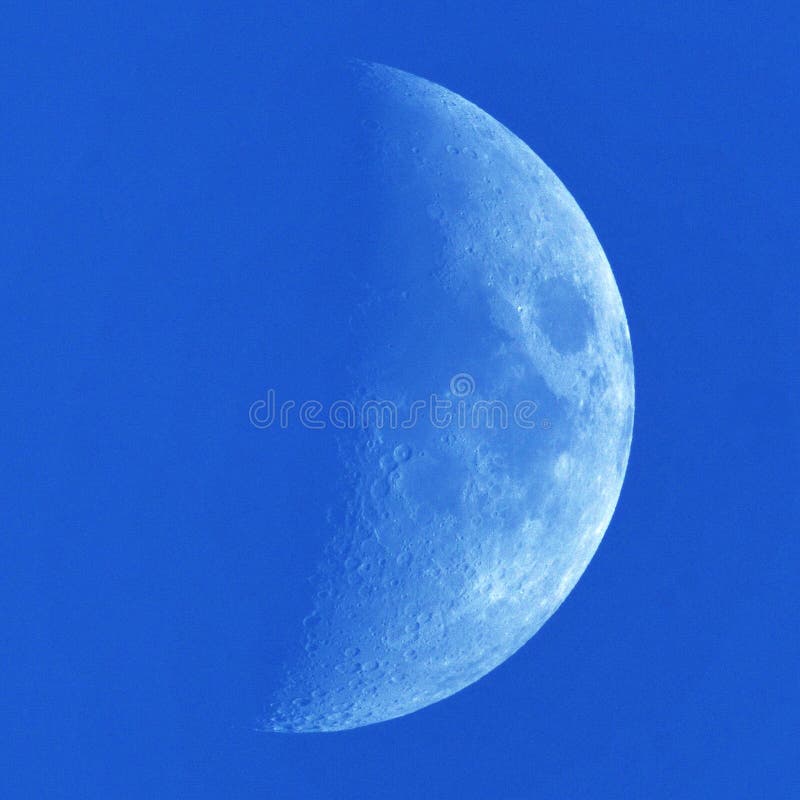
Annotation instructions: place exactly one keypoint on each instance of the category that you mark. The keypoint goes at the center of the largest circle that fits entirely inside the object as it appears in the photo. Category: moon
(457, 537)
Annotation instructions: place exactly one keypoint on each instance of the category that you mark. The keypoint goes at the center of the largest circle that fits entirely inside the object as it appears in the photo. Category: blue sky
(154, 210)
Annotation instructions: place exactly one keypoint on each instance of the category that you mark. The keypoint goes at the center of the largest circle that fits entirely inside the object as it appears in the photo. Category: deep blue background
(157, 209)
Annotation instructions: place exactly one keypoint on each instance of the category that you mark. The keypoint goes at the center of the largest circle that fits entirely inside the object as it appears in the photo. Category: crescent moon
(454, 544)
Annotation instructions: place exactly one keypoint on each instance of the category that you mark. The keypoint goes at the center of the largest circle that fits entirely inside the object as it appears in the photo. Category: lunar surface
(458, 537)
